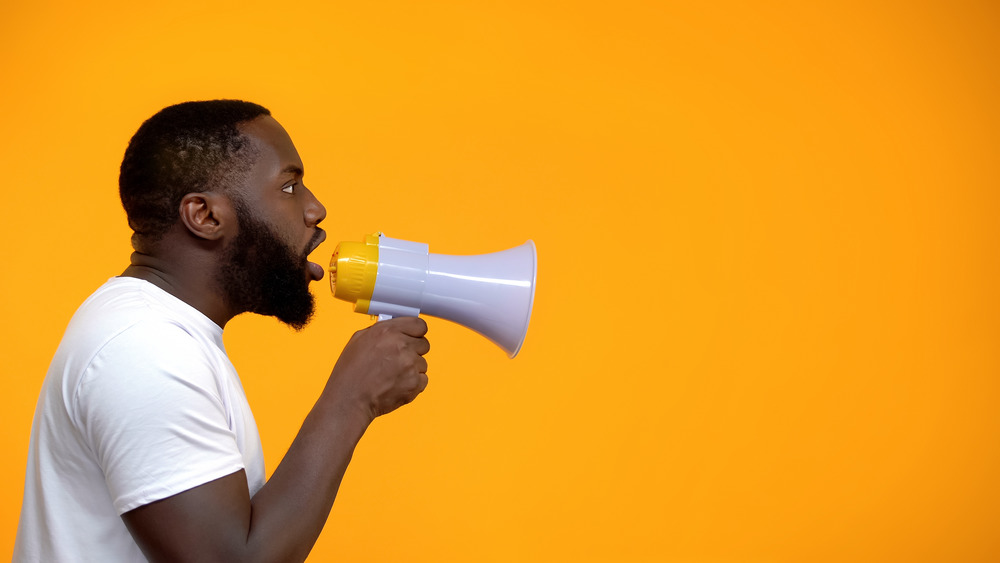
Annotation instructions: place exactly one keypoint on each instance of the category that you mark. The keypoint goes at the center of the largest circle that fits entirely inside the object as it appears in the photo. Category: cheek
(286, 223)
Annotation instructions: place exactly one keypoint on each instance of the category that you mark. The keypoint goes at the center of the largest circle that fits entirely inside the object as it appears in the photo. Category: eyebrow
(293, 169)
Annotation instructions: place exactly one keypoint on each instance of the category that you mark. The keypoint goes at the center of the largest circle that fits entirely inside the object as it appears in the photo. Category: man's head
(224, 180)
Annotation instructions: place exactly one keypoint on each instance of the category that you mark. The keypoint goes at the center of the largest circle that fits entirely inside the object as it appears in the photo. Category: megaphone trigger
(493, 294)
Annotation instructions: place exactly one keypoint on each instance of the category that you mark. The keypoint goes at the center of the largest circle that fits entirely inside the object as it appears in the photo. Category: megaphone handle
(383, 317)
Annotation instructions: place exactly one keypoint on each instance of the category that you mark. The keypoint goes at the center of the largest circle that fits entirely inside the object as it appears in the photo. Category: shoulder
(122, 300)
(130, 320)
(131, 339)
(130, 342)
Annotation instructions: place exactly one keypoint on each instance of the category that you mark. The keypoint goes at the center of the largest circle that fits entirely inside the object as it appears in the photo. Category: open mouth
(314, 270)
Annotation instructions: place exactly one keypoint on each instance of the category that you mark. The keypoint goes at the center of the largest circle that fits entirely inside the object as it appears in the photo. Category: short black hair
(184, 148)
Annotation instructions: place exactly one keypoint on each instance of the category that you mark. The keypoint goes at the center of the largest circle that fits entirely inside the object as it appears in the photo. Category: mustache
(318, 237)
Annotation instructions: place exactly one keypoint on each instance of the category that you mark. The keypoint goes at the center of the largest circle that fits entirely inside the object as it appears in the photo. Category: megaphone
(491, 294)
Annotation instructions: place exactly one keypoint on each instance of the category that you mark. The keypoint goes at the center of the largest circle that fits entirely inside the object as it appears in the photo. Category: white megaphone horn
(490, 293)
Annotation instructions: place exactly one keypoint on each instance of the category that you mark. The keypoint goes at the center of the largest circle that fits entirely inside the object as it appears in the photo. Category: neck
(191, 281)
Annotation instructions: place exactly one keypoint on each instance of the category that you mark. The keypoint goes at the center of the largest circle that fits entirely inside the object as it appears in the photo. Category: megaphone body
(492, 294)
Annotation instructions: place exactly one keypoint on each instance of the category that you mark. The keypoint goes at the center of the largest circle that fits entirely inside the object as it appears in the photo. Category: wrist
(338, 410)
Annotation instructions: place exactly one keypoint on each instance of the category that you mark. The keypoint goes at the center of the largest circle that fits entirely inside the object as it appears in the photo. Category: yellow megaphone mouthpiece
(353, 270)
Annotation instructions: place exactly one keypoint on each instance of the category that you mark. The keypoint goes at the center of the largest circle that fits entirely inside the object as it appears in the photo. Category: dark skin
(380, 369)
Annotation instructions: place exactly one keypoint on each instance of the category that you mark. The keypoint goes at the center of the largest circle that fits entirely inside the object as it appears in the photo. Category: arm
(381, 369)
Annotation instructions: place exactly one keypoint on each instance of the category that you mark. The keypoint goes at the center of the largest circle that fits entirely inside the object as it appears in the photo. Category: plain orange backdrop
(766, 325)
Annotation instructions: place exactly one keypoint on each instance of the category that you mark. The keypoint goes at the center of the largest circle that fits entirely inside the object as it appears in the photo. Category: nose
(315, 212)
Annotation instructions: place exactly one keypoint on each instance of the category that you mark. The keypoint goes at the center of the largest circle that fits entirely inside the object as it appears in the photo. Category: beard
(261, 274)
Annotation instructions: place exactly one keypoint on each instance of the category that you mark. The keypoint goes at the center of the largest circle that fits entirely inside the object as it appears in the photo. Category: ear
(205, 214)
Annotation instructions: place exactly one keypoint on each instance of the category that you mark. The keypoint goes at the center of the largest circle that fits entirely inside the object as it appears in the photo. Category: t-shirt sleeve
(151, 409)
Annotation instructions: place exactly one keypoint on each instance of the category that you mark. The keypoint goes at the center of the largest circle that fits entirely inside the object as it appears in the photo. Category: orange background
(767, 319)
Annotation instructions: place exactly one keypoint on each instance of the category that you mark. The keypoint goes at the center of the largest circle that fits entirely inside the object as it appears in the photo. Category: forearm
(288, 513)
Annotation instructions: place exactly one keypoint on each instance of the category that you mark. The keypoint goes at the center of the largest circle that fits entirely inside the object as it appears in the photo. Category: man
(143, 444)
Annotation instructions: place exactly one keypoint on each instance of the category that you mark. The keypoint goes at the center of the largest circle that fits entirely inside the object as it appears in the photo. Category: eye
(289, 189)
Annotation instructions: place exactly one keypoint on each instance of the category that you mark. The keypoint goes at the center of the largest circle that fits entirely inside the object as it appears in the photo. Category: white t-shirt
(140, 403)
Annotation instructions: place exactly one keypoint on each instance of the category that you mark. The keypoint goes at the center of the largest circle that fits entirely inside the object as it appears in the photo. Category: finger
(410, 326)
(418, 386)
(421, 346)
(420, 364)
